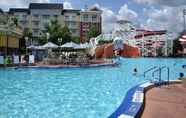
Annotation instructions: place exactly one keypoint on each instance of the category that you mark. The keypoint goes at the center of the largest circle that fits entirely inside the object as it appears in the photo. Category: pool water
(74, 92)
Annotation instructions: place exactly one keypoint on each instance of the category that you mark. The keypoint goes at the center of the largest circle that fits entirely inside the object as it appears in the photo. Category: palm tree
(56, 31)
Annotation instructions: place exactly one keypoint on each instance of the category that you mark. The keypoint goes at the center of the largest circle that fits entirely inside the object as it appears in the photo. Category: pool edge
(133, 103)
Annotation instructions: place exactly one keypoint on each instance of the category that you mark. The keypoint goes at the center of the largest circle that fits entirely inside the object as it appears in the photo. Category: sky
(148, 14)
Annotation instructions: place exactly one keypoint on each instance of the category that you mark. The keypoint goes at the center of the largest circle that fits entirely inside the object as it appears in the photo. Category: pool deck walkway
(165, 102)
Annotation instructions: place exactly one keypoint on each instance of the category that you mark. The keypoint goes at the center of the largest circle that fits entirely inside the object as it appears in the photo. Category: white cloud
(167, 18)
(126, 14)
(67, 5)
(109, 17)
(163, 2)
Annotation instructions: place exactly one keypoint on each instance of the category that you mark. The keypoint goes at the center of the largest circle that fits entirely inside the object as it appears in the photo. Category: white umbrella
(31, 47)
(35, 47)
(50, 45)
(83, 46)
(69, 45)
(39, 48)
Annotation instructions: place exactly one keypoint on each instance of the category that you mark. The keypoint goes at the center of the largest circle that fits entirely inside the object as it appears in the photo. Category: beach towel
(31, 59)
(16, 59)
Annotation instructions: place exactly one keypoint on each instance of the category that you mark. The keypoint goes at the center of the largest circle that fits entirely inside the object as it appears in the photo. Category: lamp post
(60, 41)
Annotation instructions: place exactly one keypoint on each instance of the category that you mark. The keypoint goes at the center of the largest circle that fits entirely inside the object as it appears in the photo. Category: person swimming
(135, 71)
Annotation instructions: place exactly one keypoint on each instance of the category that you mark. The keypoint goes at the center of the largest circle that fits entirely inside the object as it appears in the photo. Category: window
(73, 31)
(35, 23)
(85, 17)
(67, 18)
(73, 17)
(46, 16)
(23, 22)
(36, 16)
(55, 16)
(36, 31)
(94, 17)
(73, 24)
(24, 16)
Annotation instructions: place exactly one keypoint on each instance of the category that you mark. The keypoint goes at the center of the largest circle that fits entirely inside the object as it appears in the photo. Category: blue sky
(149, 14)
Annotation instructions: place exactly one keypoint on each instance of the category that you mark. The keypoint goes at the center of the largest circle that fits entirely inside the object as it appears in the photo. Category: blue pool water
(74, 92)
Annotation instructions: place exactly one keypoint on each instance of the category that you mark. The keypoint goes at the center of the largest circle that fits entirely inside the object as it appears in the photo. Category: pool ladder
(158, 80)
(149, 70)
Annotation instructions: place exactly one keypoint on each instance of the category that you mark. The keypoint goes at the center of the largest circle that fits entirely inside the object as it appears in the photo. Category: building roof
(1, 11)
(45, 6)
(13, 10)
(94, 8)
(70, 11)
(150, 33)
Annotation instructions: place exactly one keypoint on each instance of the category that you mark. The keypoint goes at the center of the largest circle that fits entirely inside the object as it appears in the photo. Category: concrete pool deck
(165, 102)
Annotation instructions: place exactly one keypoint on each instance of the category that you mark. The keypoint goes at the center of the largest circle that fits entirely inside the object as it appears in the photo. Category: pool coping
(133, 103)
(66, 66)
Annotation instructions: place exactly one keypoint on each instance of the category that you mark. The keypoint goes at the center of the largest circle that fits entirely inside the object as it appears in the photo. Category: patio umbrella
(39, 48)
(70, 45)
(50, 45)
(83, 46)
(31, 47)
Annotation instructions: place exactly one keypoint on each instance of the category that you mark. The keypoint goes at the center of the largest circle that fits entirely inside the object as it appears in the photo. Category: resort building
(153, 43)
(72, 20)
(22, 15)
(10, 35)
(183, 43)
(41, 14)
(150, 43)
(38, 15)
(90, 18)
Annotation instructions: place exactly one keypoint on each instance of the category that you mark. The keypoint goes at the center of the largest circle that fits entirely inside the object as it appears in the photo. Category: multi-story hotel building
(22, 15)
(72, 20)
(39, 14)
(90, 18)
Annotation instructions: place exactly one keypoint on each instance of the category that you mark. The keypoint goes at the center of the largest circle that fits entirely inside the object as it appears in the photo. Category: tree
(66, 34)
(93, 32)
(56, 31)
(177, 46)
(15, 21)
(26, 33)
(76, 39)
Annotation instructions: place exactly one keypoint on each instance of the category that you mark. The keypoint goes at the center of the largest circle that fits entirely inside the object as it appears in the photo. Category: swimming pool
(74, 92)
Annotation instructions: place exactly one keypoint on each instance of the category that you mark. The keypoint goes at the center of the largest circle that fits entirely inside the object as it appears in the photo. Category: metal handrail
(168, 73)
(150, 69)
(157, 70)
(160, 71)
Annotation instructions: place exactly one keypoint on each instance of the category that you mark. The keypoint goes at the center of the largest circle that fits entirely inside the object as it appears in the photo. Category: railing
(160, 73)
(150, 69)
